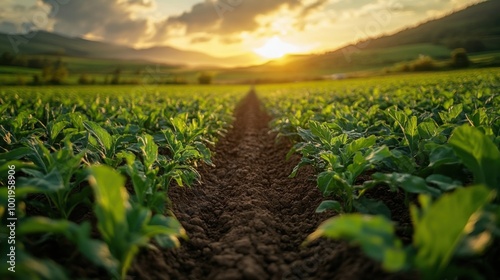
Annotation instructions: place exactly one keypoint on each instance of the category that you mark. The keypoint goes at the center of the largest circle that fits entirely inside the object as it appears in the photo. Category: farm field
(391, 177)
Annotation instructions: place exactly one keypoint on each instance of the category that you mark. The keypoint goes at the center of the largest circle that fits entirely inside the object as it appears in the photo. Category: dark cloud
(110, 19)
(313, 7)
(225, 17)
(307, 10)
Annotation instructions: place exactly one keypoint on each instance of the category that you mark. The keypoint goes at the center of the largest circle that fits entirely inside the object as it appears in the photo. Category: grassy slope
(479, 22)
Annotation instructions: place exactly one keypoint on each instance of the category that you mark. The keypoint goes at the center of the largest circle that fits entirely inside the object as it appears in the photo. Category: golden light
(275, 48)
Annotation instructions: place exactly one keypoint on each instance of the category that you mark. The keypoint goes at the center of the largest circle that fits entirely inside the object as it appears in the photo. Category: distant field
(294, 68)
(386, 56)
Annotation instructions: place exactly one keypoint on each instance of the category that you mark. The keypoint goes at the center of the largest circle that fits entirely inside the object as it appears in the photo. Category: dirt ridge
(247, 219)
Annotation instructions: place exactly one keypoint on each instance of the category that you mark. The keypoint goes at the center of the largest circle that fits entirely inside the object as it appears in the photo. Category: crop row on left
(93, 167)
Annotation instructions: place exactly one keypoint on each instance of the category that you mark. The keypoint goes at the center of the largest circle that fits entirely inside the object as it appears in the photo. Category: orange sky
(223, 27)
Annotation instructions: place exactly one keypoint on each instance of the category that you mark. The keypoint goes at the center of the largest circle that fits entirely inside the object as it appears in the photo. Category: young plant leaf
(329, 205)
(372, 207)
(478, 153)
(374, 234)
(447, 218)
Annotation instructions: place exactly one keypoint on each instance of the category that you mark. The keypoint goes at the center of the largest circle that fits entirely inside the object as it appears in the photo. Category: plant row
(434, 137)
(94, 166)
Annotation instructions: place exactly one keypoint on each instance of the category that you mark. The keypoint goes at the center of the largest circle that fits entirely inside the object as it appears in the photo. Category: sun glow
(275, 48)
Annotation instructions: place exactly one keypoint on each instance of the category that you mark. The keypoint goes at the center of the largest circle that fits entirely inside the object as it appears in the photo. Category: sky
(223, 27)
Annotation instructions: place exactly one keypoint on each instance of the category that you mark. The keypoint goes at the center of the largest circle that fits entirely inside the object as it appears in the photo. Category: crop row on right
(431, 140)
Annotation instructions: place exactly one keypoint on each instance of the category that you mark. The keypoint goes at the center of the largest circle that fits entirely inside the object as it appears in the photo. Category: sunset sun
(275, 48)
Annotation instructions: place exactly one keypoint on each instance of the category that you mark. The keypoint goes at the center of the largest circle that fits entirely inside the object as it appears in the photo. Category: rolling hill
(476, 28)
(45, 43)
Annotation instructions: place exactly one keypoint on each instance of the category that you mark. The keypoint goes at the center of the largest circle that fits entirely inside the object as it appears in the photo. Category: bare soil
(247, 219)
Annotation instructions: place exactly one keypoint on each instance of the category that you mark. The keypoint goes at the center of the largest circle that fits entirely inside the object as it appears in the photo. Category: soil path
(248, 219)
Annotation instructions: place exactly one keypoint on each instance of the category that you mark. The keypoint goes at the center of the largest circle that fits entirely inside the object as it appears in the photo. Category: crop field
(393, 177)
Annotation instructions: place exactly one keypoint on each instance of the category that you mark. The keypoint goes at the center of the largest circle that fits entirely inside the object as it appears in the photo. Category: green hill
(45, 43)
(476, 28)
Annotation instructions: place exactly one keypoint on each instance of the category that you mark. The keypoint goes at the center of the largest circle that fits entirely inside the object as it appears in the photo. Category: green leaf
(411, 133)
(409, 183)
(374, 234)
(96, 251)
(378, 154)
(478, 153)
(28, 267)
(400, 162)
(18, 153)
(321, 131)
(330, 182)
(162, 225)
(111, 204)
(149, 150)
(455, 111)
(357, 167)
(51, 182)
(480, 117)
(437, 236)
(442, 155)
(329, 205)
(20, 165)
(445, 183)
(55, 127)
(111, 201)
(427, 130)
(359, 144)
(333, 160)
(407, 126)
(45, 225)
(204, 152)
(138, 218)
(452, 114)
(372, 206)
(103, 137)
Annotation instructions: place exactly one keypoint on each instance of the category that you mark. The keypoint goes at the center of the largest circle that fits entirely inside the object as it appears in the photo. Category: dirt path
(248, 219)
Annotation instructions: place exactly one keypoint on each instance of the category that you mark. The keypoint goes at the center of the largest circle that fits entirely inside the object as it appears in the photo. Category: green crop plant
(436, 240)
(435, 136)
(58, 176)
(126, 228)
(57, 138)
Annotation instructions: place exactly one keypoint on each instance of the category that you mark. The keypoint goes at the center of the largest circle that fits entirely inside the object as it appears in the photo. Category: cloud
(308, 10)
(313, 7)
(201, 39)
(17, 17)
(223, 18)
(110, 20)
(143, 3)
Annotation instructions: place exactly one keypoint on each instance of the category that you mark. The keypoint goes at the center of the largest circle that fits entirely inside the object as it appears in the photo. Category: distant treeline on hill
(9, 59)
(56, 72)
